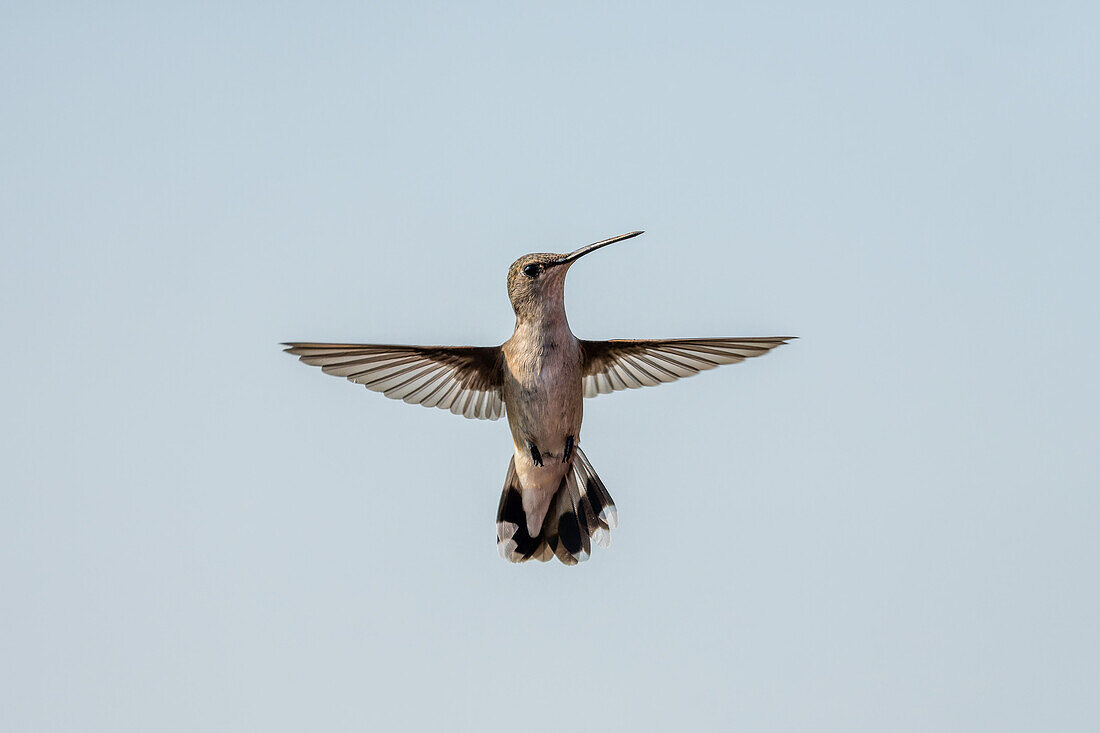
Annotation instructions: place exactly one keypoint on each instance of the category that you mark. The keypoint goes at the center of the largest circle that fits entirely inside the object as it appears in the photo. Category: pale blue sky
(890, 525)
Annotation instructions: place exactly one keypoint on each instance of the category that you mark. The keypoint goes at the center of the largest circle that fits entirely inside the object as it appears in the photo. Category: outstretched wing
(629, 364)
(463, 379)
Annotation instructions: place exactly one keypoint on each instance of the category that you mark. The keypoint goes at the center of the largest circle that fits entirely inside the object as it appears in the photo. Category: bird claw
(568, 449)
(535, 455)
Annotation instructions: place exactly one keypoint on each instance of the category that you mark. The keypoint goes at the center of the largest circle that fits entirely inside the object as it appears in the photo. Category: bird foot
(535, 455)
(568, 449)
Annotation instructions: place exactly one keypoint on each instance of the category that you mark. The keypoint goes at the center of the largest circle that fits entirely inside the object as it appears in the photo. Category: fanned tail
(581, 512)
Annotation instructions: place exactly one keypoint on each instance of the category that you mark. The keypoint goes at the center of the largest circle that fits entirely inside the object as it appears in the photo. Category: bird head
(536, 282)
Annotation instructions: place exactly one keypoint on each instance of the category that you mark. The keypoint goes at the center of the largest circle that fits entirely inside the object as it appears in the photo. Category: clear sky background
(890, 525)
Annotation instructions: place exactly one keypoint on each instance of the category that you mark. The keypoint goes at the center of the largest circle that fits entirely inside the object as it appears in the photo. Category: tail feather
(581, 511)
(566, 529)
(514, 542)
(602, 504)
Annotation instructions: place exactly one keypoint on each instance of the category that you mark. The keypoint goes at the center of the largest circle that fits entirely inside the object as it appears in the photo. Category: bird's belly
(544, 406)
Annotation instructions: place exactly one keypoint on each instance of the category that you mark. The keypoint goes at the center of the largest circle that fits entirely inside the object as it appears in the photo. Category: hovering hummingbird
(553, 502)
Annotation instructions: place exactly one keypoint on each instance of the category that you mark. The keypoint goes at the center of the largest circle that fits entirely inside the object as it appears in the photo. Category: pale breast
(543, 390)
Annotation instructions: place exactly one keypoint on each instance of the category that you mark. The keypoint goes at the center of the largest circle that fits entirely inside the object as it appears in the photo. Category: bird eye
(532, 270)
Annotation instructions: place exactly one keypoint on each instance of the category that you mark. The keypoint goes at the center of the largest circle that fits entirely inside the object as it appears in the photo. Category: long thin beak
(573, 256)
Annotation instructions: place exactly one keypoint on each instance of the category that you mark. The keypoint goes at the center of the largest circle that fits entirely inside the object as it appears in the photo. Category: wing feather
(628, 364)
(463, 379)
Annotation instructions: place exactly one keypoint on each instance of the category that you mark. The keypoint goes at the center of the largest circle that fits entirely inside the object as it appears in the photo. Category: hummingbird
(553, 503)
